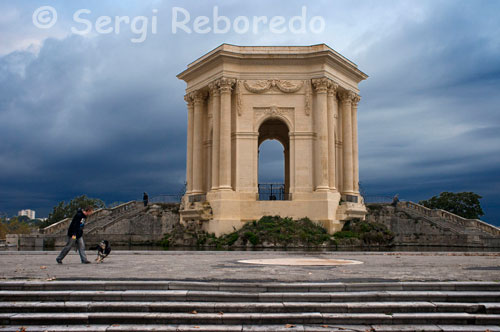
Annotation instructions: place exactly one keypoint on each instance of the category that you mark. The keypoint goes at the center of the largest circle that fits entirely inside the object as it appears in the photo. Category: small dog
(103, 250)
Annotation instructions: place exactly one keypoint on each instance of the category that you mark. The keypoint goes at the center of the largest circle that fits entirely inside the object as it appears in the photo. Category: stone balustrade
(56, 227)
(63, 225)
(453, 218)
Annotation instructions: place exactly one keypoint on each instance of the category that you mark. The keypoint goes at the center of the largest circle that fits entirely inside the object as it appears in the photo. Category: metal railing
(273, 192)
(378, 199)
(167, 198)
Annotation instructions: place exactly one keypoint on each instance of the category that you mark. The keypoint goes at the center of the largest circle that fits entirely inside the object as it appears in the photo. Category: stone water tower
(306, 97)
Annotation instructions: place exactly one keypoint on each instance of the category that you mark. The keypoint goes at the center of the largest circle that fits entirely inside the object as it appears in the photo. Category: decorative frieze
(261, 86)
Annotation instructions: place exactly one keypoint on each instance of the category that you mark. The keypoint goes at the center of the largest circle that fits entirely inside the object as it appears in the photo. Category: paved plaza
(227, 265)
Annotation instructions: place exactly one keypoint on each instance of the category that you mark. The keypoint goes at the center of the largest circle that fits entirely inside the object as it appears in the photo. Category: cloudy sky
(86, 108)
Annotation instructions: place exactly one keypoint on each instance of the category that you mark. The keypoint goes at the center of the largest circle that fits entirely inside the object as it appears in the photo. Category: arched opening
(274, 161)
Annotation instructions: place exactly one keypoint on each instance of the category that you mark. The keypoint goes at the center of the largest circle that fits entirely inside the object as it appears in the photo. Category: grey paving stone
(56, 328)
(433, 318)
(323, 307)
(390, 307)
(118, 306)
(242, 307)
(336, 328)
(406, 328)
(270, 297)
(469, 328)
(457, 307)
(273, 328)
(182, 265)
(487, 319)
(379, 286)
(357, 318)
(306, 297)
(49, 318)
(5, 318)
(221, 296)
(154, 295)
(141, 328)
(209, 328)
(182, 307)
(190, 285)
(491, 308)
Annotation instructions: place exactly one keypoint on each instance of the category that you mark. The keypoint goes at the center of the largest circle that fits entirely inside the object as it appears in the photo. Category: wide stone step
(248, 318)
(251, 328)
(213, 296)
(245, 307)
(249, 287)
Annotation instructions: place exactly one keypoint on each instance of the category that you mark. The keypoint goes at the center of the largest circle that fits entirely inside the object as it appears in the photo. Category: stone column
(189, 157)
(286, 156)
(226, 85)
(332, 124)
(214, 91)
(355, 153)
(321, 129)
(292, 162)
(199, 101)
(346, 98)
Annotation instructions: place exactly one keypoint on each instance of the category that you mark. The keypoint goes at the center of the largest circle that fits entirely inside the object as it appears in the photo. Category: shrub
(346, 235)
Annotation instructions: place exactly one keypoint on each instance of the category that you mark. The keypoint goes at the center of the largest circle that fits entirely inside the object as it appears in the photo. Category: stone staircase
(101, 222)
(124, 305)
(476, 231)
(100, 226)
(98, 219)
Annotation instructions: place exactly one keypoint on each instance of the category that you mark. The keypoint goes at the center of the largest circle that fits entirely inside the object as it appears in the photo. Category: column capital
(332, 90)
(199, 97)
(213, 87)
(346, 96)
(226, 84)
(188, 98)
(356, 100)
(321, 85)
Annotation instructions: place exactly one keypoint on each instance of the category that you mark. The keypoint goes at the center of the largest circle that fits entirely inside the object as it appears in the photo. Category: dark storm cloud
(429, 117)
(102, 116)
(75, 121)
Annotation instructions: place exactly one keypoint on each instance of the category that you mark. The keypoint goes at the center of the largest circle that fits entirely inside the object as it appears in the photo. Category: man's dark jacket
(74, 227)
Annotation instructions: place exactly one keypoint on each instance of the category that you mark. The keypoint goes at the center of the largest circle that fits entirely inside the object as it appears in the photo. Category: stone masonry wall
(411, 229)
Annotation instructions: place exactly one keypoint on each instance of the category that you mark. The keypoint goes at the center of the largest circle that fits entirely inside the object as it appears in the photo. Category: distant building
(28, 213)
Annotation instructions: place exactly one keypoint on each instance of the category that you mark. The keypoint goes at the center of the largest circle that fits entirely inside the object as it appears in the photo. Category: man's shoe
(86, 262)
(59, 261)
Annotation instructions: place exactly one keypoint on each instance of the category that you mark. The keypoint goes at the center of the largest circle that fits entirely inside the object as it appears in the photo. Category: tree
(464, 204)
(62, 210)
(14, 226)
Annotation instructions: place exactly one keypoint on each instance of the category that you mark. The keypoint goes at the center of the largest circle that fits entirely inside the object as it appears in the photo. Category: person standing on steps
(145, 199)
(395, 200)
(75, 235)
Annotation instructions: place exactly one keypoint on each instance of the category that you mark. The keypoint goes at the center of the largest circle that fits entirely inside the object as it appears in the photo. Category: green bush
(346, 235)
(231, 238)
(251, 237)
(165, 242)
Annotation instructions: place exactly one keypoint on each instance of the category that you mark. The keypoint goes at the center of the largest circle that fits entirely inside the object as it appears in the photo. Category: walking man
(75, 235)
(145, 199)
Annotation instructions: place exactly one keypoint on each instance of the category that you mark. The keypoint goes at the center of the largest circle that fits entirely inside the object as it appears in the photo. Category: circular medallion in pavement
(301, 261)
